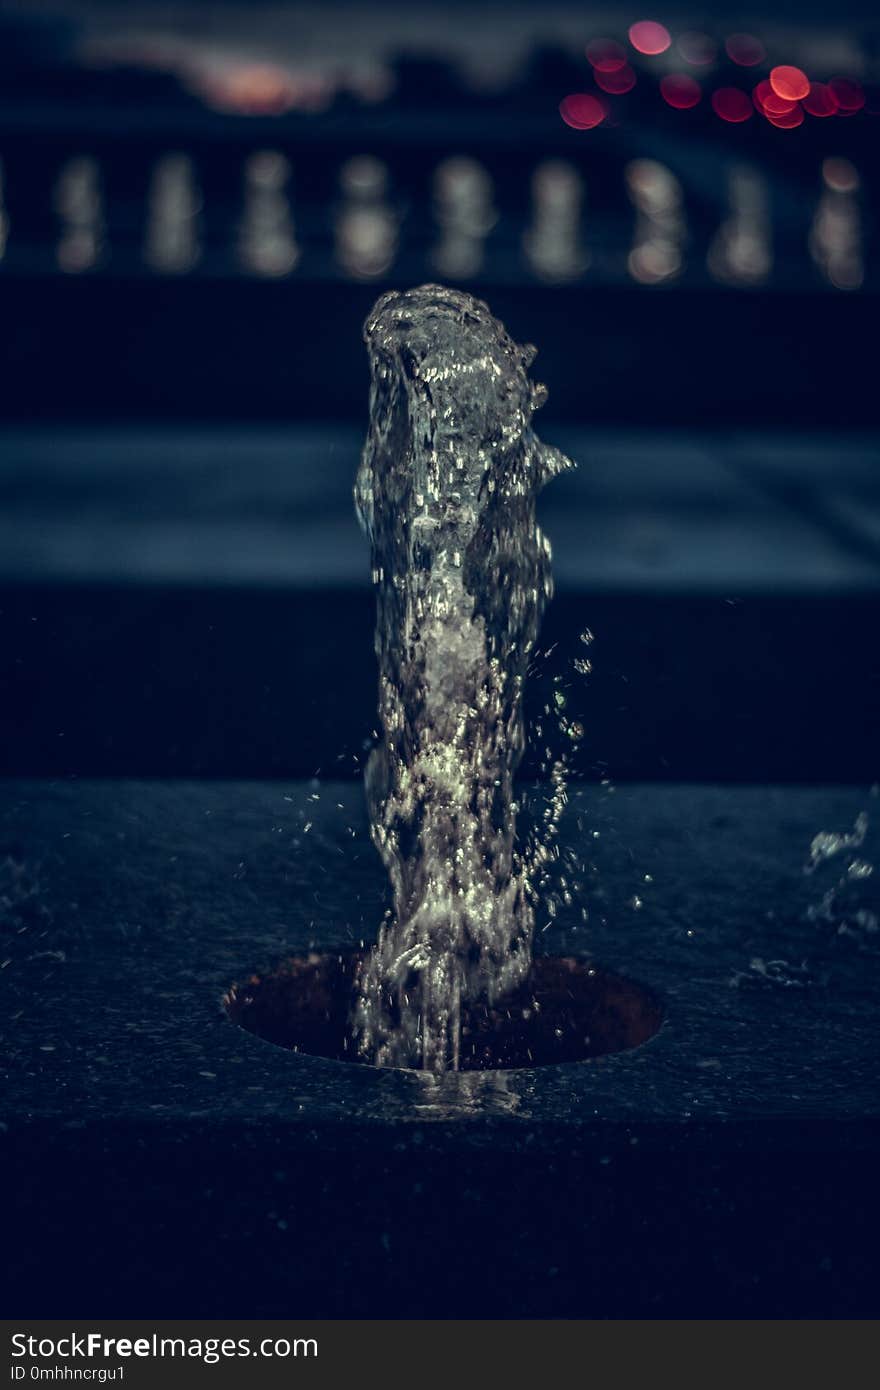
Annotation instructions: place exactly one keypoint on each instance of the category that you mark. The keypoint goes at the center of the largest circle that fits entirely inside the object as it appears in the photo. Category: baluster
(174, 203)
(4, 219)
(553, 241)
(836, 234)
(464, 208)
(79, 205)
(657, 252)
(741, 252)
(267, 244)
(366, 223)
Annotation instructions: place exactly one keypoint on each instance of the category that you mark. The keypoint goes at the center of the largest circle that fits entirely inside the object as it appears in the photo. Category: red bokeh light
(731, 105)
(745, 50)
(768, 103)
(680, 90)
(788, 120)
(820, 100)
(647, 36)
(604, 55)
(617, 82)
(848, 94)
(697, 49)
(791, 84)
(582, 111)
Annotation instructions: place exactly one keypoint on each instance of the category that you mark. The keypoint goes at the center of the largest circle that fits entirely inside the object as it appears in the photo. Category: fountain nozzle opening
(566, 1010)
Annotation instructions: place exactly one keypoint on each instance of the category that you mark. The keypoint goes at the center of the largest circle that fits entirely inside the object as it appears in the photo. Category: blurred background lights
(552, 242)
(768, 101)
(582, 110)
(848, 94)
(745, 50)
(696, 48)
(649, 37)
(731, 104)
(656, 195)
(840, 175)
(789, 82)
(618, 82)
(173, 205)
(605, 55)
(820, 100)
(267, 245)
(251, 89)
(366, 223)
(741, 252)
(78, 205)
(836, 233)
(787, 120)
(464, 207)
(680, 90)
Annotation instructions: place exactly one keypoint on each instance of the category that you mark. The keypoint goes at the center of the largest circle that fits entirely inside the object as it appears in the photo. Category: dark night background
(200, 203)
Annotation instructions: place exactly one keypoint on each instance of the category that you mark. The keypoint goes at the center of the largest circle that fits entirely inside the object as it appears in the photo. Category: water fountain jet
(446, 492)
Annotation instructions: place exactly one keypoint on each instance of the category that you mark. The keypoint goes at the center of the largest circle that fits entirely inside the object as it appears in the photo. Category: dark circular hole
(566, 1011)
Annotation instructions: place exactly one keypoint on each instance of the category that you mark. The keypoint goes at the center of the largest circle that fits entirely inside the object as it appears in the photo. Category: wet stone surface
(130, 908)
(717, 1168)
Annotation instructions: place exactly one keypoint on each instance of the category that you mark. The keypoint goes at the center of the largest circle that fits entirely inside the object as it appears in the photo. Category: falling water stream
(446, 492)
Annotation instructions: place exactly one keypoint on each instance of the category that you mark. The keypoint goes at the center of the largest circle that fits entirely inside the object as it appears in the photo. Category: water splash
(848, 905)
(828, 843)
(446, 492)
(778, 974)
